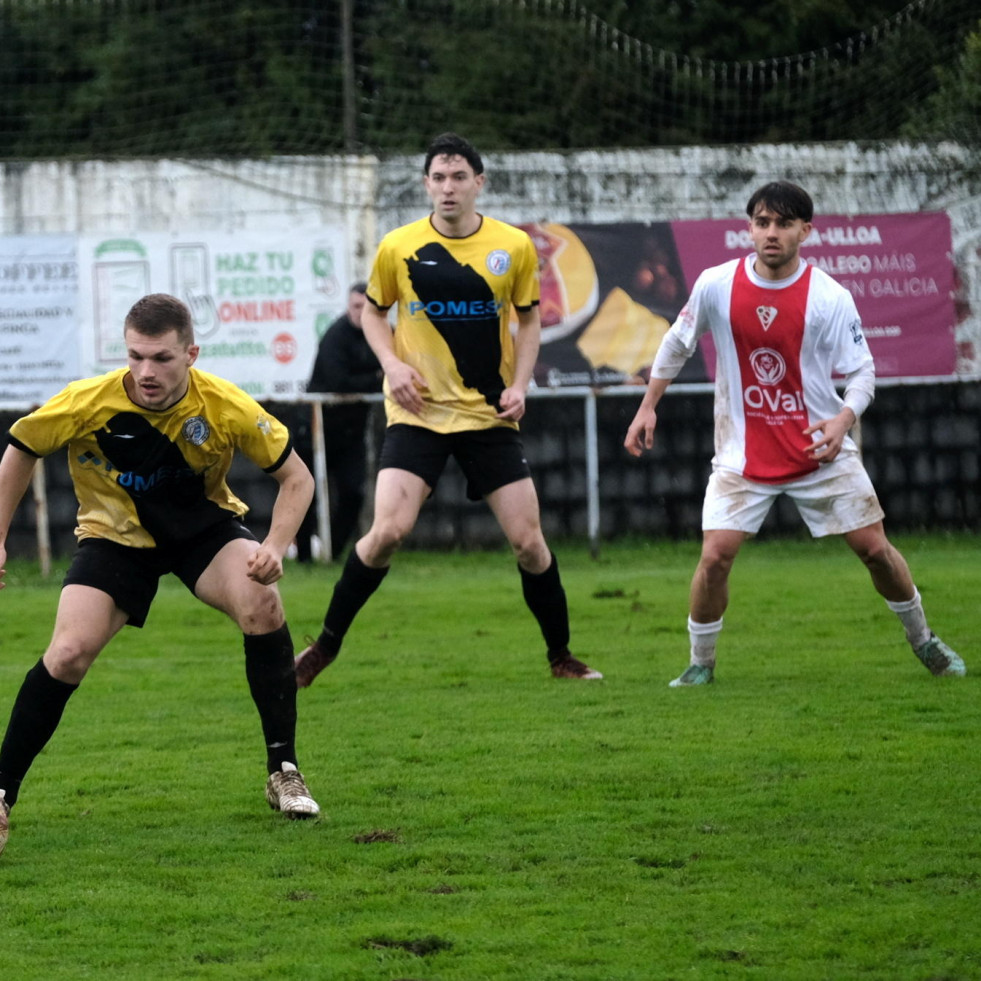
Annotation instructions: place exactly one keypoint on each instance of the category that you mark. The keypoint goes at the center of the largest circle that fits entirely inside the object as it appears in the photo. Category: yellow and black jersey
(454, 300)
(145, 477)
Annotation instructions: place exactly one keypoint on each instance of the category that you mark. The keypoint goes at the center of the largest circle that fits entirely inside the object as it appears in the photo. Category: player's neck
(459, 227)
(777, 273)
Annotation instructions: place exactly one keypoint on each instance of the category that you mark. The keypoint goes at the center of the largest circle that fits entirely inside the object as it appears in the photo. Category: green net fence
(216, 78)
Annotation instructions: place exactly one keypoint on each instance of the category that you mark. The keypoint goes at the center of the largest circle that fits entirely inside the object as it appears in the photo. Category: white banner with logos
(260, 299)
(39, 350)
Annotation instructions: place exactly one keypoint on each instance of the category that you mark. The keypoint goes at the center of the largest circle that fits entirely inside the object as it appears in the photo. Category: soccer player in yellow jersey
(149, 447)
(455, 382)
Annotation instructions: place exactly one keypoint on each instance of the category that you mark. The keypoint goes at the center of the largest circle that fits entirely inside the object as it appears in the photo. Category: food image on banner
(608, 295)
(624, 335)
(569, 286)
(257, 298)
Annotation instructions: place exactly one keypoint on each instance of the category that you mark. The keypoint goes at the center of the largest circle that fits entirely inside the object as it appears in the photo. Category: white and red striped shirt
(778, 346)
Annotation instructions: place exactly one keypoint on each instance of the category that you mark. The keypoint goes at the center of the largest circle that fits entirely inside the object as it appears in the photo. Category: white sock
(910, 612)
(703, 637)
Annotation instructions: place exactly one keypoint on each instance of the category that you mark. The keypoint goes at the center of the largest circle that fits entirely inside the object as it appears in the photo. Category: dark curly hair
(451, 145)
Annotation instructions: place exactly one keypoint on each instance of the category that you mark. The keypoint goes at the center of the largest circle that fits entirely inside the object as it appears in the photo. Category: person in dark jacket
(344, 363)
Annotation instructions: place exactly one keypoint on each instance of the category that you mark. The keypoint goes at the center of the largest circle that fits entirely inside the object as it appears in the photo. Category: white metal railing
(588, 394)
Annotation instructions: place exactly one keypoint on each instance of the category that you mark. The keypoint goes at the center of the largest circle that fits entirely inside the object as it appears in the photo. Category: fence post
(592, 473)
(41, 511)
(320, 478)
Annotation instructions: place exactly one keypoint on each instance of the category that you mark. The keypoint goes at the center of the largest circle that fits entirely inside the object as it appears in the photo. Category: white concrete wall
(168, 195)
(701, 182)
(371, 196)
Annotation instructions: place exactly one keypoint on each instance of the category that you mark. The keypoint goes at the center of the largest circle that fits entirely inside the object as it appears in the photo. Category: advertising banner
(39, 351)
(610, 292)
(260, 300)
(898, 268)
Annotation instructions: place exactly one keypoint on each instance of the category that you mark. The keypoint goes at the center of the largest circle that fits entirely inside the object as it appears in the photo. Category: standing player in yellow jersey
(455, 382)
(149, 447)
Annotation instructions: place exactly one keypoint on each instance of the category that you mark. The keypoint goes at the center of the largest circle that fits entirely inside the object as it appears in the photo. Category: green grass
(813, 815)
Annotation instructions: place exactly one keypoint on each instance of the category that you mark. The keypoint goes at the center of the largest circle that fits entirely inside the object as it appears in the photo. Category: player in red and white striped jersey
(782, 330)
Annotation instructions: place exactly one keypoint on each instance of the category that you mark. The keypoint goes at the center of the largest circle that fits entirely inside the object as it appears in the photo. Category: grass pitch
(815, 814)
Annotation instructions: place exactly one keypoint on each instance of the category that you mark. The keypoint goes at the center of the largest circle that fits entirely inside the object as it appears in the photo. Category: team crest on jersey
(768, 366)
(196, 430)
(767, 315)
(499, 262)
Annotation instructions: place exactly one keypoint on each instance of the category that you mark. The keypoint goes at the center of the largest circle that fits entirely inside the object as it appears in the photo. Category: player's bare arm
(830, 435)
(293, 499)
(405, 384)
(526, 346)
(16, 470)
(640, 433)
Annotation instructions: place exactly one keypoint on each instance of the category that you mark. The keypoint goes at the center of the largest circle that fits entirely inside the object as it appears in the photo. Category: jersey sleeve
(259, 435)
(850, 348)
(383, 286)
(527, 287)
(49, 427)
(693, 321)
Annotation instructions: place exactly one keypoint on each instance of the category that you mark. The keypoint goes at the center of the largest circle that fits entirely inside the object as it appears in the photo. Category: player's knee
(386, 538)
(69, 658)
(717, 560)
(871, 546)
(876, 553)
(530, 550)
(260, 612)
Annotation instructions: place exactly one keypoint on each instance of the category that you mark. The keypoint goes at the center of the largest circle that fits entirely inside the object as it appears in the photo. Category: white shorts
(837, 498)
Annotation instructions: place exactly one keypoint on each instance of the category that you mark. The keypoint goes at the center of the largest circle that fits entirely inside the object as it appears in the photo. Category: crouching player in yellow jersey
(455, 383)
(149, 447)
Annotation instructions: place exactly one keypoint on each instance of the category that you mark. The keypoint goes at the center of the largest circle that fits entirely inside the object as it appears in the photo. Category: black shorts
(489, 458)
(131, 575)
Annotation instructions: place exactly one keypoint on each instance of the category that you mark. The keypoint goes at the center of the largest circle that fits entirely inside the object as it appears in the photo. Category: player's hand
(264, 565)
(512, 404)
(405, 385)
(640, 434)
(832, 434)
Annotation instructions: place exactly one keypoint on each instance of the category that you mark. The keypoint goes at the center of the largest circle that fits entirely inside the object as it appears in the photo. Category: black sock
(358, 581)
(35, 716)
(546, 599)
(272, 681)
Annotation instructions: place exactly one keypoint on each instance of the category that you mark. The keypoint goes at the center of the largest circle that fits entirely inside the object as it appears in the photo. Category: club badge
(499, 262)
(196, 430)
